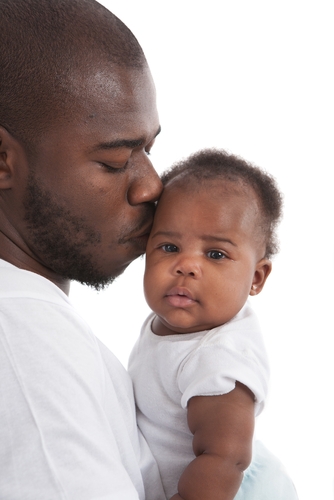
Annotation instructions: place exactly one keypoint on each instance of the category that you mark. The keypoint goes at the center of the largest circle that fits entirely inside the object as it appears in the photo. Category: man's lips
(139, 237)
(143, 236)
(180, 297)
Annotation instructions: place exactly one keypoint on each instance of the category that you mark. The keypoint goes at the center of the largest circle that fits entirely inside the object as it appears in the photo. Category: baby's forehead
(219, 192)
(190, 186)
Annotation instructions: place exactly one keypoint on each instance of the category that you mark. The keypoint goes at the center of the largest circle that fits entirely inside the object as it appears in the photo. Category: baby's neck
(161, 329)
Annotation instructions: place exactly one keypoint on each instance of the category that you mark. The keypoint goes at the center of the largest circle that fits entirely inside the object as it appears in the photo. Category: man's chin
(100, 277)
(99, 285)
(101, 281)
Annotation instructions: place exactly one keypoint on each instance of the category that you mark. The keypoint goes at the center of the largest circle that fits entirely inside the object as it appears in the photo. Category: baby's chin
(161, 326)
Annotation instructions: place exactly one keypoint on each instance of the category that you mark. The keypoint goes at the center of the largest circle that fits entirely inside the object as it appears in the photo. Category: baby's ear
(262, 271)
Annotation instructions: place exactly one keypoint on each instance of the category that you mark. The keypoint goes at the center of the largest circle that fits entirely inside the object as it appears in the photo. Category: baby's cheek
(150, 288)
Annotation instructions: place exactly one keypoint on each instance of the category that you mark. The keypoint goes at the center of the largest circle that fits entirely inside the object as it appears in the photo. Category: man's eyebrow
(124, 143)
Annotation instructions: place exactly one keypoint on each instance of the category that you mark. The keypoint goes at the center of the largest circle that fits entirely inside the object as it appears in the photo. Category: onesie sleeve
(230, 353)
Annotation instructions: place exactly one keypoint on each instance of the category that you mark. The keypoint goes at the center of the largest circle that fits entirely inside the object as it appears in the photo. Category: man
(77, 120)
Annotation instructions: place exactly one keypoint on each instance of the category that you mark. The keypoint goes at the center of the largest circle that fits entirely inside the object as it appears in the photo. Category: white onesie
(169, 370)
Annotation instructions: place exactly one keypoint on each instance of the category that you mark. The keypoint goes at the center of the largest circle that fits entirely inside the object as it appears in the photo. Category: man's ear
(10, 151)
(262, 271)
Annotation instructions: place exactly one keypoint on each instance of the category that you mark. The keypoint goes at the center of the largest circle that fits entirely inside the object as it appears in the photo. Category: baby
(199, 369)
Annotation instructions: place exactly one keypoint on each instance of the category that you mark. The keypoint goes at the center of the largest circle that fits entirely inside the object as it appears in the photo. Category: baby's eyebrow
(210, 237)
(204, 237)
(171, 234)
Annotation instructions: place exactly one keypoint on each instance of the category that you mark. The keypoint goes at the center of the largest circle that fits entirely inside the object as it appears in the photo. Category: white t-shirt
(67, 416)
(169, 370)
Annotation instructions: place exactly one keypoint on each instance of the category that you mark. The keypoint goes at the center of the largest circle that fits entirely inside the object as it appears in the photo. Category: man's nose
(146, 185)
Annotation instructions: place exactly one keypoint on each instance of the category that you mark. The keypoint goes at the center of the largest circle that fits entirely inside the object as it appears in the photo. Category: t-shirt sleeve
(233, 352)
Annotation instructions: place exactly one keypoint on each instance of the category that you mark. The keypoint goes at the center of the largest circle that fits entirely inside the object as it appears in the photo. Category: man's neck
(13, 254)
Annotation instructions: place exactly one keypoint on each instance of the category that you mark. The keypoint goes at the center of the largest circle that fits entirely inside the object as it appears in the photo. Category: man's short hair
(43, 43)
(211, 164)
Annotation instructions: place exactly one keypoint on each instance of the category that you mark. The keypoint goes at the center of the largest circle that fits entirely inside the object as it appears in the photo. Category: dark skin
(223, 429)
(94, 169)
(205, 250)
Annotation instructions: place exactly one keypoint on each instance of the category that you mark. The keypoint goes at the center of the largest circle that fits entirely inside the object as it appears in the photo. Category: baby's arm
(223, 429)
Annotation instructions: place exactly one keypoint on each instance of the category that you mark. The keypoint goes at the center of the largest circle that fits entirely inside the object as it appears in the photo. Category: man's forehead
(110, 97)
(111, 83)
(109, 105)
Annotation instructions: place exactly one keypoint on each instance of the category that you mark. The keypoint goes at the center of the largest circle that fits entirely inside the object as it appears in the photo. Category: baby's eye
(216, 254)
(169, 248)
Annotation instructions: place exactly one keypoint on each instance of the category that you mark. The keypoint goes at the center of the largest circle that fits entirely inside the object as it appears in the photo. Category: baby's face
(203, 256)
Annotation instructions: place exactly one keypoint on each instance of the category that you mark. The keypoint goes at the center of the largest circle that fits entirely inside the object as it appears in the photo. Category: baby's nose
(188, 267)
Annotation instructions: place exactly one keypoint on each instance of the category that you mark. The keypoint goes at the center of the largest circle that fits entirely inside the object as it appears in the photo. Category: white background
(256, 78)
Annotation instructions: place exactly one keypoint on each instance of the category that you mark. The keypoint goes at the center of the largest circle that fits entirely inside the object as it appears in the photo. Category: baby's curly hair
(209, 164)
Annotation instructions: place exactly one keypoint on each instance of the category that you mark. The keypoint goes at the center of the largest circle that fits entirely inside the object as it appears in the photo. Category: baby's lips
(180, 297)
(181, 291)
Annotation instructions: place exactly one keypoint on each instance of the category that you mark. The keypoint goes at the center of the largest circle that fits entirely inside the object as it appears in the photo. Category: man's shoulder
(34, 311)
(19, 283)
(33, 307)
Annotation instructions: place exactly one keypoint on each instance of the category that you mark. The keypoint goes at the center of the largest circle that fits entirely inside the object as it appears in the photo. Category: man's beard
(61, 239)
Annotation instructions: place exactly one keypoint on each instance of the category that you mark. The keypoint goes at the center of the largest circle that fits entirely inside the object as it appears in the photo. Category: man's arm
(223, 429)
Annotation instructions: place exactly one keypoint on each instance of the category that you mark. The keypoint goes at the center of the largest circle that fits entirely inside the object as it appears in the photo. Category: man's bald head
(46, 47)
